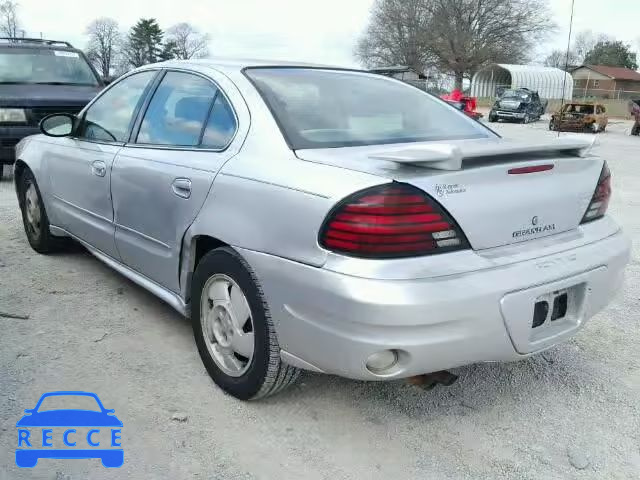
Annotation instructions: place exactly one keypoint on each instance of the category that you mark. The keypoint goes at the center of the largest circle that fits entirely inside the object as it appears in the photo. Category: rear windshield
(318, 108)
(44, 66)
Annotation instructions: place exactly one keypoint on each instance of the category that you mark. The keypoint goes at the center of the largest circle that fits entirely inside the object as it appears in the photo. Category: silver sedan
(309, 217)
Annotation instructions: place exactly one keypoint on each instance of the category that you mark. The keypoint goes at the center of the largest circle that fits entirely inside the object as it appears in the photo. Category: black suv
(518, 104)
(39, 77)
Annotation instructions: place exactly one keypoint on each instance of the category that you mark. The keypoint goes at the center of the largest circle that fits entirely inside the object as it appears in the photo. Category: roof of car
(240, 63)
(38, 43)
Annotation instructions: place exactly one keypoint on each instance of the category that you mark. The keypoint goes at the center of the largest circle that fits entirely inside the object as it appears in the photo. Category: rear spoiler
(447, 156)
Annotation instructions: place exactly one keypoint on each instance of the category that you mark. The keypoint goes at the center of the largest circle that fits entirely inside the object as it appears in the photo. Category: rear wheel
(34, 217)
(233, 328)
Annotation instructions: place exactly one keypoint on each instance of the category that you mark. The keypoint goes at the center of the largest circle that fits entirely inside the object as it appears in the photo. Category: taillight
(390, 221)
(600, 200)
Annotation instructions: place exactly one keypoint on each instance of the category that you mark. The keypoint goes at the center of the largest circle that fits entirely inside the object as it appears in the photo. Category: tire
(552, 125)
(36, 225)
(262, 374)
(1, 171)
(526, 119)
(492, 118)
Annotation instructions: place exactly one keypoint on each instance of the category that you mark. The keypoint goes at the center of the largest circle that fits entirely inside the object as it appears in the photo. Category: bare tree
(105, 41)
(585, 41)
(559, 59)
(187, 42)
(466, 35)
(457, 36)
(396, 35)
(9, 24)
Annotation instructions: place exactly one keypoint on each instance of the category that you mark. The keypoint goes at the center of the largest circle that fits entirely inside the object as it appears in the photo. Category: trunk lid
(471, 180)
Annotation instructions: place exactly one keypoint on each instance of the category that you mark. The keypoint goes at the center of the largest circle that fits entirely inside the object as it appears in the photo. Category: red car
(466, 104)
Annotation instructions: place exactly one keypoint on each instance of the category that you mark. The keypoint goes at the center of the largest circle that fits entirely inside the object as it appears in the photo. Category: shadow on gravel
(480, 388)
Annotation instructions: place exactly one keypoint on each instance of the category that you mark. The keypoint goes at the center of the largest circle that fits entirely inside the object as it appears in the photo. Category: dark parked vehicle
(518, 105)
(39, 77)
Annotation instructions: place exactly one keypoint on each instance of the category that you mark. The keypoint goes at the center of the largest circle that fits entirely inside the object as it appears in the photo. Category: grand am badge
(443, 189)
(535, 229)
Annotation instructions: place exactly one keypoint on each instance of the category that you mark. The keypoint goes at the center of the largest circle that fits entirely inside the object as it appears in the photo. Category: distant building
(601, 81)
(550, 83)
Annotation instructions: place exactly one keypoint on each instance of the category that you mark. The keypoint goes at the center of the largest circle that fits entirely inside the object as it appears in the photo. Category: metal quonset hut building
(548, 81)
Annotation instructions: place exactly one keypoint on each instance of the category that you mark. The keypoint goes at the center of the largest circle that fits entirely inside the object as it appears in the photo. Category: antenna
(566, 62)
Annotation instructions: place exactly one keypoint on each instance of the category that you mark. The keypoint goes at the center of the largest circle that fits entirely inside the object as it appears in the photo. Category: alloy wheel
(227, 325)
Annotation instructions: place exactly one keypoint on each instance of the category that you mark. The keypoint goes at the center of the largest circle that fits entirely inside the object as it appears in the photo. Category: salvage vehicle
(39, 77)
(580, 117)
(332, 220)
(518, 105)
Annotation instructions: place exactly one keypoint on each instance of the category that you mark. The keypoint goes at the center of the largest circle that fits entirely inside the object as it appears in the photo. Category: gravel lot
(572, 412)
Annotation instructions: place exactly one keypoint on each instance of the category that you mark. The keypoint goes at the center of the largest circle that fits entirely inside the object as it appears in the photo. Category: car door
(80, 166)
(161, 179)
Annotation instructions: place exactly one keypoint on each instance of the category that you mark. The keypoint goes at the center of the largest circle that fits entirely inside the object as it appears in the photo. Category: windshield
(520, 95)
(585, 109)
(318, 108)
(46, 66)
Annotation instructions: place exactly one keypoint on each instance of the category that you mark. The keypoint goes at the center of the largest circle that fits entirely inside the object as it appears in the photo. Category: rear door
(80, 167)
(161, 179)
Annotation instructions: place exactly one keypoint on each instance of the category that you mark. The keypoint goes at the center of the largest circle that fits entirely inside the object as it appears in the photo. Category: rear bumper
(9, 138)
(332, 322)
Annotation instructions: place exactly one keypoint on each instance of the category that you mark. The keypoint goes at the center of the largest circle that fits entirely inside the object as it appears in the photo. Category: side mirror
(58, 125)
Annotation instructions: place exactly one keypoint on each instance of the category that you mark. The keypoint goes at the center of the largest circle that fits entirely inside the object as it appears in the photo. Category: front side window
(178, 111)
(44, 66)
(111, 115)
(318, 108)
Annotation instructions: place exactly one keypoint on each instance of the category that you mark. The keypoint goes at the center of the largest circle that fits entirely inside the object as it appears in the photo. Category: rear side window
(321, 108)
(178, 111)
(221, 125)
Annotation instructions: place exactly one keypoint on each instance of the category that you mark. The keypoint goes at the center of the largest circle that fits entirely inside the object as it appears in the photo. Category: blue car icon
(98, 418)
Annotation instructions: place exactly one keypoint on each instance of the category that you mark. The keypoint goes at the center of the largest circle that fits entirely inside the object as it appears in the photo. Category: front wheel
(552, 125)
(233, 328)
(34, 217)
(492, 117)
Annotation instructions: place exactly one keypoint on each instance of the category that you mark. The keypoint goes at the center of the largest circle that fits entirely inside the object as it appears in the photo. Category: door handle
(99, 168)
(182, 187)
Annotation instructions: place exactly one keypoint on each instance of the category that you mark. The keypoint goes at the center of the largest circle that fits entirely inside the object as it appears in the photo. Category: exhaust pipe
(430, 380)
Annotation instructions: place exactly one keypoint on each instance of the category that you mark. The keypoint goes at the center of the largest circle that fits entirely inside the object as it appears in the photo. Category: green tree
(612, 54)
(144, 43)
(169, 50)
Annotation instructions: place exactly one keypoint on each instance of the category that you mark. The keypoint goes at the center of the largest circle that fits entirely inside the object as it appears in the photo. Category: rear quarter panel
(267, 200)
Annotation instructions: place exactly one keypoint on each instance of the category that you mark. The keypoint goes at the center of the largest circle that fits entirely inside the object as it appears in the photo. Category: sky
(304, 30)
